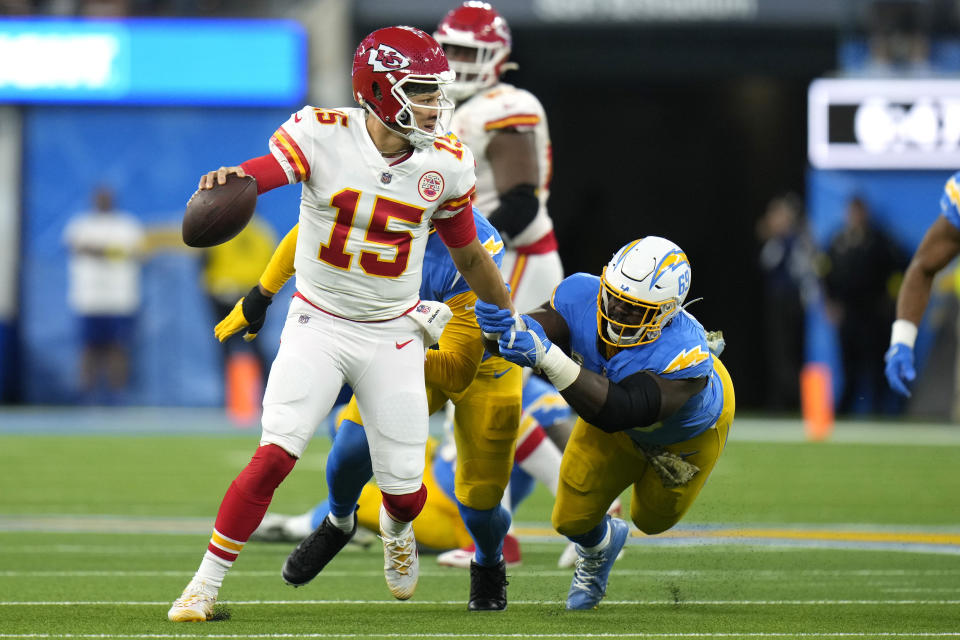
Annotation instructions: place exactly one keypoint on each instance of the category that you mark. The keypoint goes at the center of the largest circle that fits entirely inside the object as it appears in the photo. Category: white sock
(344, 524)
(604, 543)
(389, 527)
(298, 526)
(213, 569)
(542, 461)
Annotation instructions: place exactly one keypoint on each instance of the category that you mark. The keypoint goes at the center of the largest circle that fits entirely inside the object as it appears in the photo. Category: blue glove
(525, 347)
(900, 369)
(493, 319)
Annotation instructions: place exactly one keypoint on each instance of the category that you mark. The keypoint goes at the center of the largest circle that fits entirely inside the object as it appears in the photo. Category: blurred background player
(356, 317)
(786, 263)
(864, 261)
(506, 127)
(487, 405)
(655, 404)
(105, 246)
(940, 245)
(229, 271)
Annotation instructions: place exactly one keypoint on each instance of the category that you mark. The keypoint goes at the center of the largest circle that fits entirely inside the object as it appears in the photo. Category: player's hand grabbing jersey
(490, 112)
(680, 352)
(363, 222)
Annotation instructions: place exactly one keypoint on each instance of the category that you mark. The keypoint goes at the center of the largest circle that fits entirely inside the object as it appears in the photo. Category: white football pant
(381, 361)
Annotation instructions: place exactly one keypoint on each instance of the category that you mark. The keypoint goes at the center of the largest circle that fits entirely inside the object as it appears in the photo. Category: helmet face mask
(642, 288)
(477, 41)
(424, 103)
(387, 66)
(476, 68)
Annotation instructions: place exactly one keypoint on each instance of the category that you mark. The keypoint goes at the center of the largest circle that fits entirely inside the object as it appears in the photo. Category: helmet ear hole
(377, 91)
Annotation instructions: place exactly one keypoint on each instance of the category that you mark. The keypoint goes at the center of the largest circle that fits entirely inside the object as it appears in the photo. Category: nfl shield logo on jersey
(386, 177)
(431, 186)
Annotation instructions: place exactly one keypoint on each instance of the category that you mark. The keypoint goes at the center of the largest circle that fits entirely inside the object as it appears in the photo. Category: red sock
(247, 500)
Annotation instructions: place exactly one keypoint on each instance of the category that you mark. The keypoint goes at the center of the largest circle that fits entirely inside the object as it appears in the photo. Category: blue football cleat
(593, 570)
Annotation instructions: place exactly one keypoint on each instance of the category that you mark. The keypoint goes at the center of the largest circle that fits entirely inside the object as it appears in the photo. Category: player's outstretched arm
(481, 273)
(636, 401)
(939, 246)
(250, 312)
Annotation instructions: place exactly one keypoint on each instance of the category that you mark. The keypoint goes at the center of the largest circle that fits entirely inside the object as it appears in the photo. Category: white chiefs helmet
(642, 288)
(475, 26)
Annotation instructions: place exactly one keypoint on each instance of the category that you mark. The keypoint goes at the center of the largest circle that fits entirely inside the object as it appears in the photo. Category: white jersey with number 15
(363, 222)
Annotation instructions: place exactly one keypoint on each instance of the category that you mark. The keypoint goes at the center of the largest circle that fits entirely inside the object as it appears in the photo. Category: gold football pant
(597, 467)
(486, 425)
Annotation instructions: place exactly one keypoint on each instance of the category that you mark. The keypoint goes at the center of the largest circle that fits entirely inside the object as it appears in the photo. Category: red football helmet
(477, 26)
(386, 61)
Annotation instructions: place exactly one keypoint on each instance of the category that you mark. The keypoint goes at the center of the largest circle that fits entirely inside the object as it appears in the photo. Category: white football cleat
(271, 529)
(461, 558)
(569, 556)
(401, 564)
(195, 604)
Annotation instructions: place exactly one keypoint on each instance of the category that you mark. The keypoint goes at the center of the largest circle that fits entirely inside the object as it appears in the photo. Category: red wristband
(267, 172)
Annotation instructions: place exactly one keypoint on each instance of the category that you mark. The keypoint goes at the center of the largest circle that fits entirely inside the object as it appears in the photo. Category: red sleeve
(267, 172)
(457, 231)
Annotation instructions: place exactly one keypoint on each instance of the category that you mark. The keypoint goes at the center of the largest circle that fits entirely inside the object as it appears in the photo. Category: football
(215, 215)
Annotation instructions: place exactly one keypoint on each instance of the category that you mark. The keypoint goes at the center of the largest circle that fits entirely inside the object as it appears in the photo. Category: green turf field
(849, 538)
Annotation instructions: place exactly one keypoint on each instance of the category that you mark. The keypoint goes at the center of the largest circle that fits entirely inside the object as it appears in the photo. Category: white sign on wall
(866, 123)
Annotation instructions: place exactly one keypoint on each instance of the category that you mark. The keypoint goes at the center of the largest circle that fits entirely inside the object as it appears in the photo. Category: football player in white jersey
(373, 179)
(506, 128)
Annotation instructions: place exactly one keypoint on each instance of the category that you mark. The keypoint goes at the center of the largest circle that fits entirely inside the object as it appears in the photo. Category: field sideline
(104, 516)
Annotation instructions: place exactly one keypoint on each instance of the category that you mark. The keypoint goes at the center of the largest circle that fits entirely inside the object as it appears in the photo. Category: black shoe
(488, 587)
(314, 552)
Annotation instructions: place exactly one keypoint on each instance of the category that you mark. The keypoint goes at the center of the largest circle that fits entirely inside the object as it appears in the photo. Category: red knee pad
(265, 471)
(406, 507)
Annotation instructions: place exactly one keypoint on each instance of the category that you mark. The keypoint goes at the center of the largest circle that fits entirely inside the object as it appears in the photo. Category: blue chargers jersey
(680, 352)
(950, 200)
(542, 401)
(441, 280)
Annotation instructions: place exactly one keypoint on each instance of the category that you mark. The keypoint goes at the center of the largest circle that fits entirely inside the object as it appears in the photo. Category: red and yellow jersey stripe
(458, 204)
(516, 120)
(292, 152)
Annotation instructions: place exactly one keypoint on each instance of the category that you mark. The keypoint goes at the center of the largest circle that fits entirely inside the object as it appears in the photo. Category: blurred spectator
(104, 293)
(786, 263)
(899, 37)
(864, 264)
(230, 269)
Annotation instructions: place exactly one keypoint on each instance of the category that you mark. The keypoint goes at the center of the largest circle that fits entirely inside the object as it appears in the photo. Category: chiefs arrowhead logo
(386, 58)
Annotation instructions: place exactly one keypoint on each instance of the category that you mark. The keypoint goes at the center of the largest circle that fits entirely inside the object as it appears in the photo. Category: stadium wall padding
(152, 158)
(903, 203)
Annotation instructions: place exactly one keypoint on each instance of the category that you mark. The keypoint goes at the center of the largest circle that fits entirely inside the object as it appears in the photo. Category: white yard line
(521, 603)
(270, 636)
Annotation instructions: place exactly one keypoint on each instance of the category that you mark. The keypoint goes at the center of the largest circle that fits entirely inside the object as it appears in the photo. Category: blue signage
(153, 61)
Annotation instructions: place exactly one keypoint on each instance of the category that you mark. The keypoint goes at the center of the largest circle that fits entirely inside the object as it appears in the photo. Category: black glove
(249, 312)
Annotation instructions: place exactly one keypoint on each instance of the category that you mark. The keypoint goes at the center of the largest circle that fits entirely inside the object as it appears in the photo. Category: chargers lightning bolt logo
(686, 359)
